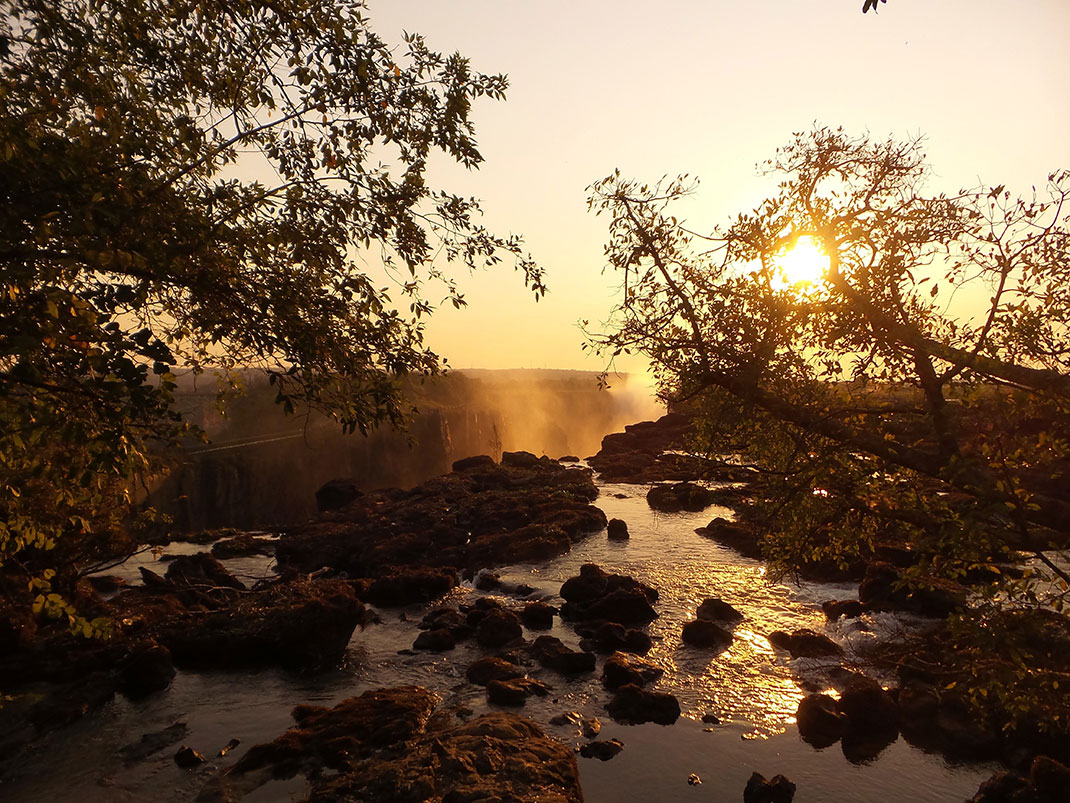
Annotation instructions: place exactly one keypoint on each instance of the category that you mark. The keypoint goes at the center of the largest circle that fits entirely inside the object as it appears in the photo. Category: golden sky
(711, 88)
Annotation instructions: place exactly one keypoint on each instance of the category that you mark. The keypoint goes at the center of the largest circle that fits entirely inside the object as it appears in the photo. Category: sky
(712, 88)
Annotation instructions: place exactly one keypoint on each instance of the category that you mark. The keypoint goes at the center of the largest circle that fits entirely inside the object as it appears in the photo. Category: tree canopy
(917, 393)
(199, 186)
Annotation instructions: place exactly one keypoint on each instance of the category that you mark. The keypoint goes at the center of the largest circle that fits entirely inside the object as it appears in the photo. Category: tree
(917, 395)
(199, 186)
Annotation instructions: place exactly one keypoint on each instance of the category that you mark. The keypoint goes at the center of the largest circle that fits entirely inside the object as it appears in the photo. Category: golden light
(803, 265)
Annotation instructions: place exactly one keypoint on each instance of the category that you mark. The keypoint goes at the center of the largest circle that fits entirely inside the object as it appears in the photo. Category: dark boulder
(704, 633)
(498, 628)
(296, 625)
(513, 691)
(1005, 787)
(602, 750)
(187, 757)
(409, 585)
(553, 654)
(201, 570)
(884, 589)
(805, 643)
(679, 496)
(1050, 778)
(715, 609)
(632, 705)
(151, 743)
(618, 530)
(537, 616)
(621, 668)
(520, 459)
(842, 609)
(737, 535)
(475, 462)
(335, 494)
(778, 789)
(624, 606)
(242, 546)
(438, 640)
(147, 669)
(484, 670)
(608, 637)
(819, 720)
(871, 719)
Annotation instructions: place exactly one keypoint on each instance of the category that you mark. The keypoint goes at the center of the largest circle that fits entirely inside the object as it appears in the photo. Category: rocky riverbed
(487, 635)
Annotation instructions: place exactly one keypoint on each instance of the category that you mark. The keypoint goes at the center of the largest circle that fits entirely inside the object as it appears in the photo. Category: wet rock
(603, 750)
(487, 581)
(590, 727)
(679, 496)
(385, 745)
(608, 637)
(148, 669)
(693, 779)
(1005, 787)
(805, 643)
(446, 619)
(534, 543)
(715, 609)
(596, 595)
(438, 640)
(568, 458)
(621, 668)
(819, 720)
(106, 583)
(711, 719)
(835, 609)
(537, 616)
(297, 625)
(335, 494)
(475, 462)
(520, 459)
(228, 747)
(704, 633)
(553, 654)
(498, 628)
(626, 607)
(483, 670)
(242, 546)
(618, 530)
(187, 758)
(882, 589)
(151, 743)
(632, 705)
(871, 719)
(776, 790)
(1049, 777)
(515, 690)
(737, 535)
(201, 570)
(409, 585)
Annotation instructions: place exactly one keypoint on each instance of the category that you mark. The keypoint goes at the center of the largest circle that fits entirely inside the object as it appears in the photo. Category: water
(752, 689)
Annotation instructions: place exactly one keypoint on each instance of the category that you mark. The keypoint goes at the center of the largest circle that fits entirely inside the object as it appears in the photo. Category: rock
(624, 606)
(568, 458)
(805, 643)
(507, 692)
(618, 530)
(1005, 787)
(475, 462)
(819, 720)
(487, 581)
(882, 589)
(608, 637)
(520, 459)
(621, 668)
(498, 628)
(553, 654)
(484, 670)
(537, 616)
(704, 633)
(148, 669)
(711, 719)
(241, 546)
(679, 496)
(228, 747)
(603, 751)
(201, 570)
(737, 535)
(408, 585)
(438, 640)
(335, 494)
(1049, 777)
(385, 745)
(296, 625)
(777, 790)
(842, 608)
(590, 727)
(187, 757)
(871, 719)
(105, 583)
(632, 705)
(715, 609)
(154, 742)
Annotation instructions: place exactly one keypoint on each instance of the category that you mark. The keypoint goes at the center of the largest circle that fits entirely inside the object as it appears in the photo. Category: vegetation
(198, 186)
(916, 396)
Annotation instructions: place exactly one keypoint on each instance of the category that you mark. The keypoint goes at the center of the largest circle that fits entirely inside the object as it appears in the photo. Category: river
(750, 688)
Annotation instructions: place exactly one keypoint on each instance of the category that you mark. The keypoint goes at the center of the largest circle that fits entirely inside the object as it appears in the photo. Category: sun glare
(805, 264)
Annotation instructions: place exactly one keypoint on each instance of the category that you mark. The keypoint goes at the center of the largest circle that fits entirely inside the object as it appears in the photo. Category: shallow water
(752, 689)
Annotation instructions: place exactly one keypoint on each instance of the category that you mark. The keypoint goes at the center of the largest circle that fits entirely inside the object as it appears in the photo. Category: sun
(804, 264)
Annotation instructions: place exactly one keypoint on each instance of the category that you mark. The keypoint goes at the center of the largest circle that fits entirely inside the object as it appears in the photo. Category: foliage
(918, 396)
(200, 186)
